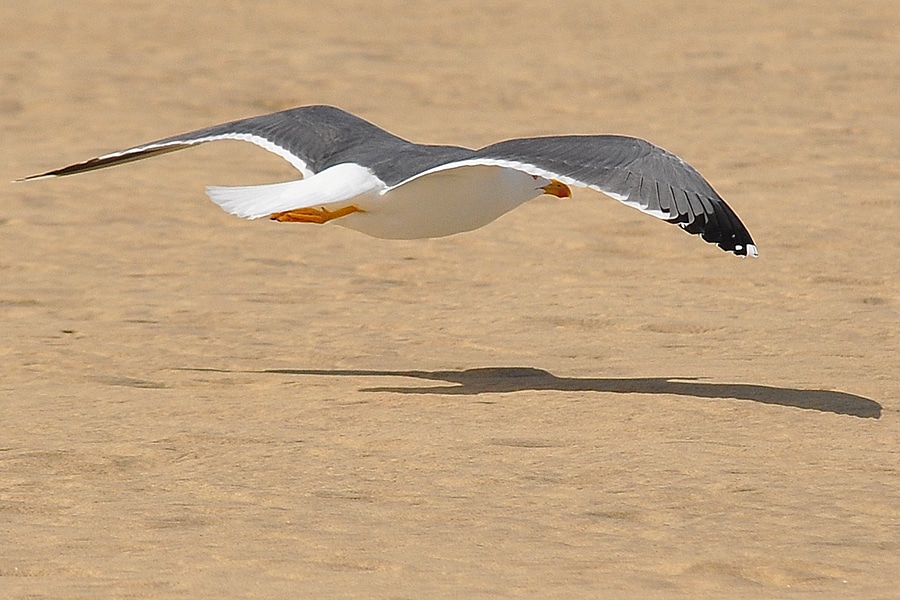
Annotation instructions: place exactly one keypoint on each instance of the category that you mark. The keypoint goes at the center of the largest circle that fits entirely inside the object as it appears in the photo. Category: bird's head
(553, 187)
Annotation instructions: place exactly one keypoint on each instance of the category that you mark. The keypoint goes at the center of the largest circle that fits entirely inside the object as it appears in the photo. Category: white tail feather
(255, 201)
(335, 185)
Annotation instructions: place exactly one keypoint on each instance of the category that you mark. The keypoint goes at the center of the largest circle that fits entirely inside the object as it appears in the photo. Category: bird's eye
(534, 177)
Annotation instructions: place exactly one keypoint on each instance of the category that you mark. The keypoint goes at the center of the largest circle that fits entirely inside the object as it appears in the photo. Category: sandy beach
(576, 401)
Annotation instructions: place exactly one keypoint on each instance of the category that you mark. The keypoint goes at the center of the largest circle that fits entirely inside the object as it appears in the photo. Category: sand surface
(575, 401)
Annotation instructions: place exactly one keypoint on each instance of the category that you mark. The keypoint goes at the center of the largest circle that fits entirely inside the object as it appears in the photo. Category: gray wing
(311, 138)
(636, 173)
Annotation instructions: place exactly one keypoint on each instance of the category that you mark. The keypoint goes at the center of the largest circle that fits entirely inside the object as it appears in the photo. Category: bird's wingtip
(751, 251)
(34, 177)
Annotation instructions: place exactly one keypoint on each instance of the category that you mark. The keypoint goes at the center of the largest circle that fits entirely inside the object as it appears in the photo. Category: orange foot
(313, 215)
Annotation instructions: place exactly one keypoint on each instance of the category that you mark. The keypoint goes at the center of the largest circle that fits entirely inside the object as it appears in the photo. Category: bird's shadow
(491, 380)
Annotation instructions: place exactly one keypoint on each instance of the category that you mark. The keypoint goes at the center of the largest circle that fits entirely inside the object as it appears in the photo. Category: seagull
(360, 176)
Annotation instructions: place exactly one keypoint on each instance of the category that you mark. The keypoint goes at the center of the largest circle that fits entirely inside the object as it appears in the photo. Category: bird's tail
(256, 201)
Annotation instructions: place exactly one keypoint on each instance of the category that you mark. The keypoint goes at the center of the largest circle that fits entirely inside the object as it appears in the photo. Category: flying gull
(365, 178)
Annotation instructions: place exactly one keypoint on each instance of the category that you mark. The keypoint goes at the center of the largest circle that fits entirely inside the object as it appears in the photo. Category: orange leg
(313, 215)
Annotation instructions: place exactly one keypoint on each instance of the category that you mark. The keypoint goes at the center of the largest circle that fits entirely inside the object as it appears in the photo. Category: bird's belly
(442, 203)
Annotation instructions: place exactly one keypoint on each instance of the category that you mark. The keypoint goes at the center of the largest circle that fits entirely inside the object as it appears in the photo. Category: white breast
(443, 203)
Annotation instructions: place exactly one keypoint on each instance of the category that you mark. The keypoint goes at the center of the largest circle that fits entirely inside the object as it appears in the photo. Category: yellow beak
(557, 188)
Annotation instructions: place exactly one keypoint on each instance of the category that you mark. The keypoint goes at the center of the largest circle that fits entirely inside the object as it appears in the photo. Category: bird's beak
(557, 188)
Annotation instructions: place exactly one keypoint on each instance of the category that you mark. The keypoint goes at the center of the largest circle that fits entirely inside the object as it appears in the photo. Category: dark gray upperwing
(324, 136)
(312, 138)
(637, 173)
